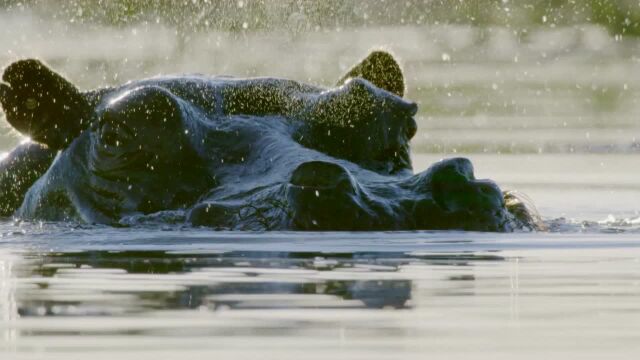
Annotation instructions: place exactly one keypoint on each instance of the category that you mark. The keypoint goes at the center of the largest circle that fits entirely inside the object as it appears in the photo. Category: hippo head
(313, 159)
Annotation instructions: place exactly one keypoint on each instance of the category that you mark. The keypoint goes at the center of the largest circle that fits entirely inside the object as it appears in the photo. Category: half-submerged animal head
(136, 151)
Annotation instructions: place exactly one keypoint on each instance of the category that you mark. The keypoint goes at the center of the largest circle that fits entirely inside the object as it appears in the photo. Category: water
(79, 293)
(552, 113)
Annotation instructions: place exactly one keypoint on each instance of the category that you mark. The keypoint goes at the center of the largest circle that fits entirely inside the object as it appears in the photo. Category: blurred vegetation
(620, 17)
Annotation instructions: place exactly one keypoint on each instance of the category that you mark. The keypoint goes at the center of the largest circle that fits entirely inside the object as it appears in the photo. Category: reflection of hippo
(233, 153)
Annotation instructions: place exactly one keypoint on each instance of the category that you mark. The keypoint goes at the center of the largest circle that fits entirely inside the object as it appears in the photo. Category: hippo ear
(42, 104)
(381, 69)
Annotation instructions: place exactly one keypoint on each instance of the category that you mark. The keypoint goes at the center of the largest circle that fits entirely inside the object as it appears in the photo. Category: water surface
(141, 294)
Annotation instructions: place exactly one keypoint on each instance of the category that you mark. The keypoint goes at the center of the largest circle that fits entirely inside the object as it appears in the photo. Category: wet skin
(250, 154)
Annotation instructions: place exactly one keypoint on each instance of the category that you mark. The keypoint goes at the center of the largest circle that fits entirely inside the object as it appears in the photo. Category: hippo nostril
(319, 176)
(110, 139)
(489, 188)
(451, 171)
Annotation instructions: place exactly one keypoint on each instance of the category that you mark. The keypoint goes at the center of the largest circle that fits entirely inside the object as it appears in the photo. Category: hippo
(237, 154)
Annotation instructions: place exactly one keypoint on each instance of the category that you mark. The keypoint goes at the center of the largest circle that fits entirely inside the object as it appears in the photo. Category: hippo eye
(109, 139)
(109, 135)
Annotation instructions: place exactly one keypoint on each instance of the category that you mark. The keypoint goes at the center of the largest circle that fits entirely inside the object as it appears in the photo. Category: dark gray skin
(18, 171)
(250, 154)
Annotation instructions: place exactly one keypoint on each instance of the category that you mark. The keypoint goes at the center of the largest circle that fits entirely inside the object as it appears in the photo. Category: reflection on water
(141, 304)
(125, 282)
(8, 305)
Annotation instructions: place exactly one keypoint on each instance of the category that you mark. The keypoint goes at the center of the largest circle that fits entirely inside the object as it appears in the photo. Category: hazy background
(542, 95)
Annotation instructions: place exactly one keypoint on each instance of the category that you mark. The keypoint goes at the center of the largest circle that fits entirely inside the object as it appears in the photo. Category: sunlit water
(554, 115)
(69, 293)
